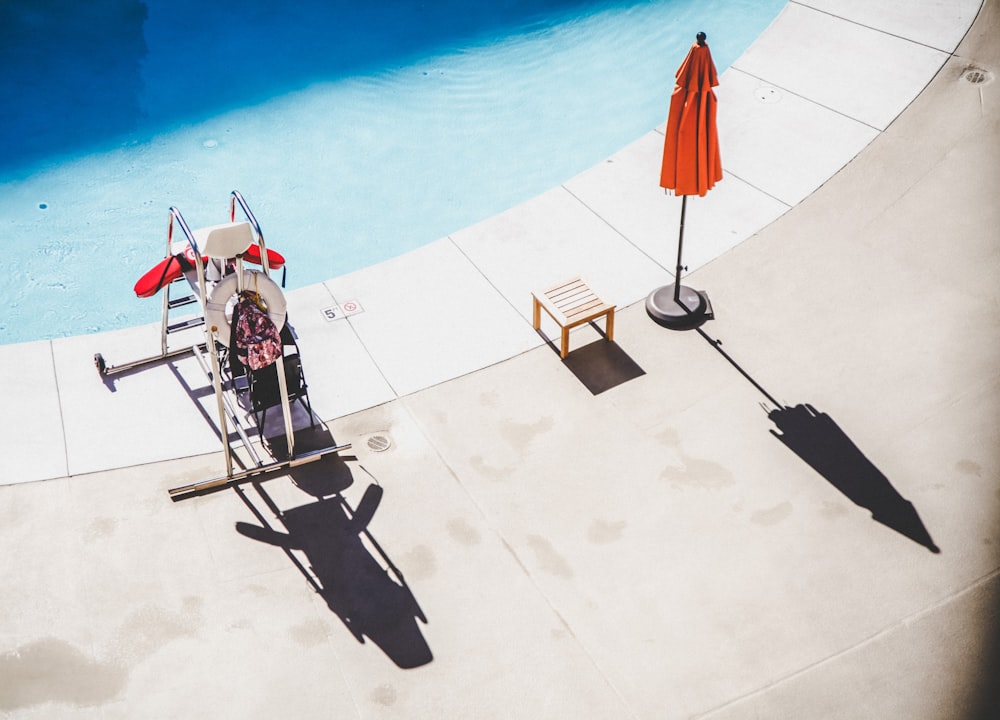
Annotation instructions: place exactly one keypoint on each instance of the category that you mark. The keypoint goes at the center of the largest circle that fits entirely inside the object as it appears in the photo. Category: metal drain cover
(977, 76)
(379, 443)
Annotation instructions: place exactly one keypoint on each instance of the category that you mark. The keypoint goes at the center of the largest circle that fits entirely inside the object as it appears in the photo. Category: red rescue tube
(274, 258)
(161, 274)
(171, 268)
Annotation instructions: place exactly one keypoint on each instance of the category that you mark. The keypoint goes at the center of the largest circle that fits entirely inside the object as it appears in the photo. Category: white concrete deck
(648, 551)
(463, 303)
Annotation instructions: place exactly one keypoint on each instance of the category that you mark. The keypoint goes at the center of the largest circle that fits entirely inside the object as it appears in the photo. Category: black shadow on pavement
(819, 441)
(345, 563)
(600, 365)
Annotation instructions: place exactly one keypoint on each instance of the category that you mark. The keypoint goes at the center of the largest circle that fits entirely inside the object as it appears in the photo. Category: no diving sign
(346, 309)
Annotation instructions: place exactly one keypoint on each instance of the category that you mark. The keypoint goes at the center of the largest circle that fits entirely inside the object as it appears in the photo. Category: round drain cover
(977, 76)
(379, 443)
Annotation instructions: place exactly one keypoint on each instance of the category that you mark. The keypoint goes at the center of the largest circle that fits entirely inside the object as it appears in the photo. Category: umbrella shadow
(820, 442)
(827, 449)
(344, 563)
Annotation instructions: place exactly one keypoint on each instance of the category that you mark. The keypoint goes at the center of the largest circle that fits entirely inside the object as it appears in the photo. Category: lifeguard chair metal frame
(221, 244)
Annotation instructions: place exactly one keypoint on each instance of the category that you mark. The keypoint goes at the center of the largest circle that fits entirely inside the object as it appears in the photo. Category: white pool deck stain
(851, 256)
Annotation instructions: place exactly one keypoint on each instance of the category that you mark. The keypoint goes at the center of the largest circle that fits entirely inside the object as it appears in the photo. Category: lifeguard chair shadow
(211, 261)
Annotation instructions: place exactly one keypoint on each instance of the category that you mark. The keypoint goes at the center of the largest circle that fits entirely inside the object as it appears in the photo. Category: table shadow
(602, 365)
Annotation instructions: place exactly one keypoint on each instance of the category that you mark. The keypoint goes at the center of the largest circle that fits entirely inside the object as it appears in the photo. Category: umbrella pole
(680, 248)
(675, 306)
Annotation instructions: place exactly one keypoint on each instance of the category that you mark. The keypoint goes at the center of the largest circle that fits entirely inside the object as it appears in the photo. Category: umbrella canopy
(691, 163)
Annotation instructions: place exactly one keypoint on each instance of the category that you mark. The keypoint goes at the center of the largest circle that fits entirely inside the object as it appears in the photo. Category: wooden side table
(572, 303)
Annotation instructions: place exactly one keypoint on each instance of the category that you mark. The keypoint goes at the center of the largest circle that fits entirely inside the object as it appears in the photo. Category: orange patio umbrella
(691, 166)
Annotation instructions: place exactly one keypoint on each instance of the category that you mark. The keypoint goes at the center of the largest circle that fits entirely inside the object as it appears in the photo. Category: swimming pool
(355, 131)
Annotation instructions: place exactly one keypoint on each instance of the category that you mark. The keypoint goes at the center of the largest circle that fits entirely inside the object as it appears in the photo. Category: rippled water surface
(355, 133)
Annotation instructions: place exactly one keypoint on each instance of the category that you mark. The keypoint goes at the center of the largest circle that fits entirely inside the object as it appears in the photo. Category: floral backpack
(255, 333)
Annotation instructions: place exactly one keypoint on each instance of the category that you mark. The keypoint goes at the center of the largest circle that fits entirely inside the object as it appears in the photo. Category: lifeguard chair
(211, 261)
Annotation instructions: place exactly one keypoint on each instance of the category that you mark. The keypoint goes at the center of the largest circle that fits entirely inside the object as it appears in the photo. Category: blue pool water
(356, 131)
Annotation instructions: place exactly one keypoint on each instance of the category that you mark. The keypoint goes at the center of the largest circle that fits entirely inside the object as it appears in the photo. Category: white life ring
(218, 309)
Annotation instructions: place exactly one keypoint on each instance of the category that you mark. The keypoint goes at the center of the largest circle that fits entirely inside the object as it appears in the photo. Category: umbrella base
(692, 308)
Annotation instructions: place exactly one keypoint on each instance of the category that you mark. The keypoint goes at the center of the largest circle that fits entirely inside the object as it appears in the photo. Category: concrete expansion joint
(777, 91)
(901, 624)
(62, 417)
(879, 30)
(611, 226)
(762, 191)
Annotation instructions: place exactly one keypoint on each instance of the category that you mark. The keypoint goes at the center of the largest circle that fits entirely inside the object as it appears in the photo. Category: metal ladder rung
(185, 324)
(181, 301)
